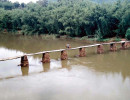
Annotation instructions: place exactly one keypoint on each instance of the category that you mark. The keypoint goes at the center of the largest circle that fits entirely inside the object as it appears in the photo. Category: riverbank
(64, 37)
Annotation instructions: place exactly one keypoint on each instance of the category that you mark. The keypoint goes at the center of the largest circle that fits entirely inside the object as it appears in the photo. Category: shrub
(128, 34)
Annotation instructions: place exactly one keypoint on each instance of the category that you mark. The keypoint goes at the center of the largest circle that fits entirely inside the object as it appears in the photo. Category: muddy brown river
(94, 77)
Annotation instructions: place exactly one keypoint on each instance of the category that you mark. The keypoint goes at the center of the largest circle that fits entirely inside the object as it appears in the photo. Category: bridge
(64, 55)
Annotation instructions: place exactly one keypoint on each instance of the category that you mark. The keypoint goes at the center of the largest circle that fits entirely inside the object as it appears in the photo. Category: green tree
(43, 3)
(16, 4)
(128, 34)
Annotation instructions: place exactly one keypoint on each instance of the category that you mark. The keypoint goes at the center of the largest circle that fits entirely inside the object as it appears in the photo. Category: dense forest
(75, 18)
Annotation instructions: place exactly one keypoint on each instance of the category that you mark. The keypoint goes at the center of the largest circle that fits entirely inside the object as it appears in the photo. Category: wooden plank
(115, 42)
(87, 46)
(11, 58)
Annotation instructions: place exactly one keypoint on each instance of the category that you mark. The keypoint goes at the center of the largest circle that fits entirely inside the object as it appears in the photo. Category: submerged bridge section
(64, 55)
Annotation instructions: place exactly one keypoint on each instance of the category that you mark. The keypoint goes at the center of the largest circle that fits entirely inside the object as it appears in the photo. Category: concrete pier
(46, 58)
(64, 55)
(100, 49)
(24, 61)
(124, 45)
(82, 52)
(113, 47)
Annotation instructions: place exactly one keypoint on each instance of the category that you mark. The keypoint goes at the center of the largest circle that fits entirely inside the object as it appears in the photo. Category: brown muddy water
(94, 77)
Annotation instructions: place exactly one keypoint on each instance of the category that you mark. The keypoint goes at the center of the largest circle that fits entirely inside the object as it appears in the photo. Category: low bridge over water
(64, 55)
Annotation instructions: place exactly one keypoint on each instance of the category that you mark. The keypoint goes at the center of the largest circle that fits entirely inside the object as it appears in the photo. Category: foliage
(128, 34)
(75, 18)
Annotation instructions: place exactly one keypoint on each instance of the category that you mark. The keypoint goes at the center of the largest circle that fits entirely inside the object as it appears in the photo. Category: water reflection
(46, 67)
(25, 71)
(64, 63)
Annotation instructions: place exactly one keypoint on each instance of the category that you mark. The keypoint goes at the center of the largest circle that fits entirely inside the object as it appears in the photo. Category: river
(94, 77)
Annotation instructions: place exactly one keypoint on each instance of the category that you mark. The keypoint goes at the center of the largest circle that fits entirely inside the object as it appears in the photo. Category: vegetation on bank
(75, 18)
(128, 34)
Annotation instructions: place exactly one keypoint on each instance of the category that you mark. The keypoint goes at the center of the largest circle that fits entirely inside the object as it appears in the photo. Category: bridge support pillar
(46, 58)
(64, 55)
(124, 45)
(82, 52)
(113, 47)
(24, 61)
(100, 49)
(128, 44)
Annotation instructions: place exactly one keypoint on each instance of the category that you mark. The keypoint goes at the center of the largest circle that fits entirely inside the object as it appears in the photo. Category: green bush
(103, 40)
(117, 39)
(128, 34)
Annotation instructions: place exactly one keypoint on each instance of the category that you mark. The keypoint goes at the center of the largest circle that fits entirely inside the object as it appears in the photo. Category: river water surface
(94, 77)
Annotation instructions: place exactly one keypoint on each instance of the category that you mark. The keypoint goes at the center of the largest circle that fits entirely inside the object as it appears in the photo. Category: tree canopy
(67, 17)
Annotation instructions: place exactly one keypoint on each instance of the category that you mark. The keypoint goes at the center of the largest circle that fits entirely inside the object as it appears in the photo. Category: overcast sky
(21, 1)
